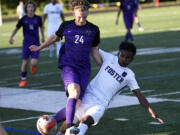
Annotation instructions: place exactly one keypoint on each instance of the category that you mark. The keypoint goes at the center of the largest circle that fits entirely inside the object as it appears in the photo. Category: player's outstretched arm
(12, 35)
(143, 101)
(53, 38)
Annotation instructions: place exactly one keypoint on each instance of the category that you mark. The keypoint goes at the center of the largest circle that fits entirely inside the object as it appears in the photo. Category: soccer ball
(46, 125)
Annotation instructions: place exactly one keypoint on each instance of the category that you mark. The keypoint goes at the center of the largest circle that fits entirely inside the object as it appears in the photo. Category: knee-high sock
(70, 110)
(58, 47)
(126, 37)
(61, 115)
(131, 36)
(83, 128)
(23, 75)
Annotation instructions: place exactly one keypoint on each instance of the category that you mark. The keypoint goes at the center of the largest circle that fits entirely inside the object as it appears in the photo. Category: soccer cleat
(72, 131)
(22, 83)
(33, 69)
(141, 29)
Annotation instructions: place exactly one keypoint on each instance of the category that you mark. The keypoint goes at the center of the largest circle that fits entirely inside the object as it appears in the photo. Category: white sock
(83, 128)
(58, 47)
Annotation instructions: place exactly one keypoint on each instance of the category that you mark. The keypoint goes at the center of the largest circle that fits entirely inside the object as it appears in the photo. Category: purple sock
(131, 37)
(70, 110)
(126, 37)
(61, 115)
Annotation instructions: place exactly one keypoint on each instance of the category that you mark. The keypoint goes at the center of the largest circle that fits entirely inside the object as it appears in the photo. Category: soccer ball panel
(46, 124)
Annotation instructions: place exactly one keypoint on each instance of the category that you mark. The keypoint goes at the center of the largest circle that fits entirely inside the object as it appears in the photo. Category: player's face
(53, 1)
(125, 58)
(30, 9)
(80, 16)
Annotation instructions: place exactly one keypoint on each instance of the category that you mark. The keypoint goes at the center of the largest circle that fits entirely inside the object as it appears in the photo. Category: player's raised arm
(143, 101)
(53, 38)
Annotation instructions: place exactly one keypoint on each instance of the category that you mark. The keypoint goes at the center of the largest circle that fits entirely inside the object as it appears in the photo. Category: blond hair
(83, 4)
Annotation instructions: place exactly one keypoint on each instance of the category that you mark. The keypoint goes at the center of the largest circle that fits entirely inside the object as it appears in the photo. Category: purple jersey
(30, 29)
(78, 43)
(128, 7)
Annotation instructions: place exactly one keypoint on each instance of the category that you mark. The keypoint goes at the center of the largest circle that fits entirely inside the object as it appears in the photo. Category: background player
(136, 19)
(128, 7)
(31, 24)
(20, 9)
(113, 76)
(81, 40)
(53, 12)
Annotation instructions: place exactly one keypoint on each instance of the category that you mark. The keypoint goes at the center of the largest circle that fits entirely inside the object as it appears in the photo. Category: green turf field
(157, 68)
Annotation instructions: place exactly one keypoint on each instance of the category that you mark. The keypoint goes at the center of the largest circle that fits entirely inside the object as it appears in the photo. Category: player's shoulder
(23, 18)
(92, 24)
(69, 22)
(48, 4)
(58, 5)
(37, 16)
(130, 71)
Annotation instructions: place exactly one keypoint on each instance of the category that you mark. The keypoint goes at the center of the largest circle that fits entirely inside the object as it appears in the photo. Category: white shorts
(52, 29)
(89, 106)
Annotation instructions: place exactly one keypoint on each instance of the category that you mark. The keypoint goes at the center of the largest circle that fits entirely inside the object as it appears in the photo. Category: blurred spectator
(20, 9)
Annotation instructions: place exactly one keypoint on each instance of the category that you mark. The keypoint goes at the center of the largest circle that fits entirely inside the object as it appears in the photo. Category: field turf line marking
(22, 119)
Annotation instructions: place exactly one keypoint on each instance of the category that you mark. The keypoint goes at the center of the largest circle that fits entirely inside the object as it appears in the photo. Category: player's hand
(157, 118)
(34, 48)
(11, 40)
(43, 39)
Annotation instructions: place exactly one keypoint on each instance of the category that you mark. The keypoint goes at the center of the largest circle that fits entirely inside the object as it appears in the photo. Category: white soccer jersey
(53, 15)
(111, 79)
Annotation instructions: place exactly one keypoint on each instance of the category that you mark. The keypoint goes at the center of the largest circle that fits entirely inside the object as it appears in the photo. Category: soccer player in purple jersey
(128, 7)
(31, 24)
(81, 40)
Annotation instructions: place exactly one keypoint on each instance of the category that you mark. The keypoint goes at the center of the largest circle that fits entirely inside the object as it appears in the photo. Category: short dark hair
(128, 46)
(29, 2)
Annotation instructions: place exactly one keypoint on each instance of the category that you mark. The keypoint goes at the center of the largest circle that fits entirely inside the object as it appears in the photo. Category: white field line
(165, 94)
(121, 119)
(36, 75)
(18, 65)
(145, 51)
(156, 61)
(15, 120)
(94, 68)
(47, 86)
(154, 123)
(151, 51)
(142, 91)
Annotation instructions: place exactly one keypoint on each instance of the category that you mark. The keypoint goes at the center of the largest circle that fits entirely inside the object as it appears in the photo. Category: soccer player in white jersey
(53, 12)
(113, 76)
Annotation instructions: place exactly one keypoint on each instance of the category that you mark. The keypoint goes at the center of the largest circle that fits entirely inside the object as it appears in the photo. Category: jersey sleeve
(105, 55)
(40, 21)
(20, 23)
(59, 32)
(46, 9)
(97, 37)
(132, 83)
